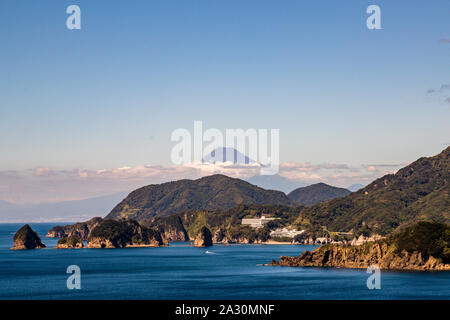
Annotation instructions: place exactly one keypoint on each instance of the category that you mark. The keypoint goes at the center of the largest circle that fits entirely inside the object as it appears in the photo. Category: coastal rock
(362, 256)
(204, 238)
(26, 238)
(72, 242)
(126, 233)
(221, 237)
(80, 229)
(58, 232)
(423, 246)
(101, 243)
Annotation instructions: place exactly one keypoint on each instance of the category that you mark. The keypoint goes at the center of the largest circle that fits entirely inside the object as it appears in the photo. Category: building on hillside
(256, 223)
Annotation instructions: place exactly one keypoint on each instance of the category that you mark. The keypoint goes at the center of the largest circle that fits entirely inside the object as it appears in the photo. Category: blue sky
(109, 95)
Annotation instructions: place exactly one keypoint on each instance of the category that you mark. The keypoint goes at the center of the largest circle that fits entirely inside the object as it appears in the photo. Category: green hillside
(316, 193)
(230, 221)
(416, 192)
(216, 192)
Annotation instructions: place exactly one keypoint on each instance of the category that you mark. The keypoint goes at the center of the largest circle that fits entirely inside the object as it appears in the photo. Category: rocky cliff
(128, 233)
(80, 229)
(72, 242)
(171, 227)
(204, 238)
(362, 257)
(26, 238)
(424, 246)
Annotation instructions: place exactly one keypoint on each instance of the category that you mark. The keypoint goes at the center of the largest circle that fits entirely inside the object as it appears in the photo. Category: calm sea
(184, 272)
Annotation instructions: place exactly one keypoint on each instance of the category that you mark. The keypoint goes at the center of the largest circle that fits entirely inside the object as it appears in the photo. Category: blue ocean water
(183, 272)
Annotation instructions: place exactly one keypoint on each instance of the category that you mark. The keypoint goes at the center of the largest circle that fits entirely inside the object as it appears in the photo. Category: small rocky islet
(26, 239)
(204, 238)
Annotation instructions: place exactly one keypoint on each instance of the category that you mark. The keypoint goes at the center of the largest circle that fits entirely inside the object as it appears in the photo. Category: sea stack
(25, 238)
(204, 238)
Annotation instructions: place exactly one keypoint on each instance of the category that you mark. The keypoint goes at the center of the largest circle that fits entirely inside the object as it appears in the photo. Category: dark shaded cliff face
(424, 246)
(215, 192)
(171, 228)
(26, 238)
(116, 234)
(316, 193)
(417, 192)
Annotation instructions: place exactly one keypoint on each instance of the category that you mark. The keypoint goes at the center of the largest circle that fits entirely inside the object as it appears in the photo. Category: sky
(90, 112)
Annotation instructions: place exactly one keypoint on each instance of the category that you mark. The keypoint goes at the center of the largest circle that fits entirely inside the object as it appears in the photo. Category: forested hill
(416, 192)
(216, 192)
(316, 193)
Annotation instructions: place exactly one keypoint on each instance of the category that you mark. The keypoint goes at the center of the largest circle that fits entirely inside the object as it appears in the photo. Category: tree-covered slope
(227, 223)
(316, 193)
(216, 192)
(416, 192)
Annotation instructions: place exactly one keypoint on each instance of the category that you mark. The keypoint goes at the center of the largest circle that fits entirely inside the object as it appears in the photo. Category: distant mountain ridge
(65, 211)
(416, 192)
(316, 193)
(216, 192)
(355, 187)
(276, 182)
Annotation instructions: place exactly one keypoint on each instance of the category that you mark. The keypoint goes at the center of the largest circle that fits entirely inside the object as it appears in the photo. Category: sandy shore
(276, 242)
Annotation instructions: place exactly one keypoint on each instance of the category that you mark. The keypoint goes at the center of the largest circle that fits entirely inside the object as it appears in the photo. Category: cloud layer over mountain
(44, 184)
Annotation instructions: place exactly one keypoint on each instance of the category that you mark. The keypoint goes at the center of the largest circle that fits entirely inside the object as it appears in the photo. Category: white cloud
(50, 185)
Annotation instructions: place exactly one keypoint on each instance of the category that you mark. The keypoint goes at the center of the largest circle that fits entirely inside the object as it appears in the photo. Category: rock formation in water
(204, 238)
(26, 238)
(72, 242)
(127, 233)
(80, 229)
(362, 257)
(424, 246)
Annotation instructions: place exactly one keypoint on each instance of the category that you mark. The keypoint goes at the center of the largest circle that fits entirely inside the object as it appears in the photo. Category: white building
(257, 223)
